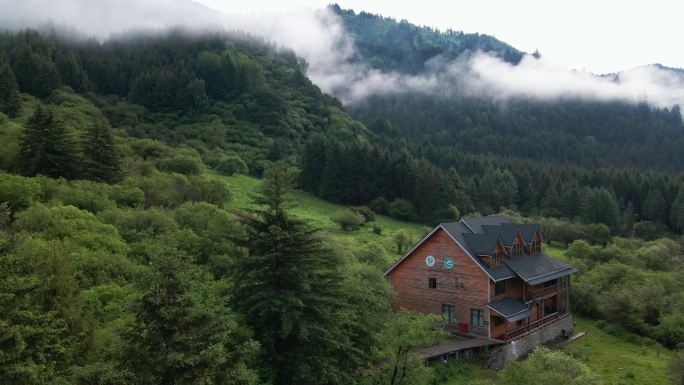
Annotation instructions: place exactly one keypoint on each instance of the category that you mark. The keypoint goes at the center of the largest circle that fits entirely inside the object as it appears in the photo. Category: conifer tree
(654, 206)
(600, 206)
(9, 90)
(47, 148)
(677, 212)
(102, 160)
(184, 331)
(290, 291)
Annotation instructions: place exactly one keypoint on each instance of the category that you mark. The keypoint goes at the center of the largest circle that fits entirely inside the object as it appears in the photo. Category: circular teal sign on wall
(449, 263)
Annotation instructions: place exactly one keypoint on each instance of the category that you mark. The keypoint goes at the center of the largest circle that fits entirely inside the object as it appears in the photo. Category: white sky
(595, 35)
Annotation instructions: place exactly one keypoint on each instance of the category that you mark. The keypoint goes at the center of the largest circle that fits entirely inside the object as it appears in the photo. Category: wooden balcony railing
(545, 291)
(532, 326)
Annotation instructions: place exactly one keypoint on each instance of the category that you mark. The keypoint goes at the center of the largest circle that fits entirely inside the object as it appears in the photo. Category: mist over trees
(123, 261)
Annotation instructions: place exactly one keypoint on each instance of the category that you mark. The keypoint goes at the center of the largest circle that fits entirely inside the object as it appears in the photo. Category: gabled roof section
(482, 244)
(538, 268)
(528, 230)
(459, 230)
(475, 223)
(479, 236)
(510, 230)
(510, 309)
(507, 232)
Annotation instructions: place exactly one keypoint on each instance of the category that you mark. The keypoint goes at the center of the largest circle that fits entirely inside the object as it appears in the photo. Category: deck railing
(540, 293)
(532, 326)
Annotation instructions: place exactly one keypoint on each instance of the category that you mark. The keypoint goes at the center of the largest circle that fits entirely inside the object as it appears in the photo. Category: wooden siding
(465, 287)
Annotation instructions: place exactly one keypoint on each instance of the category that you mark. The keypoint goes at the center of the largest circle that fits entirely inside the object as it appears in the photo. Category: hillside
(567, 130)
(389, 45)
(320, 214)
(171, 208)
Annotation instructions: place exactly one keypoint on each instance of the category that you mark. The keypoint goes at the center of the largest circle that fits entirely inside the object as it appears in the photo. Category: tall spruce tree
(290, 291)
(9, 90)
(600, 206)
(654, 206)
(102, 160)
(47, 148)
(184, 331)
(677, 212)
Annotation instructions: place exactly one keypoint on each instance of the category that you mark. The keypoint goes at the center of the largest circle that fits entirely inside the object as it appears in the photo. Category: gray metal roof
(478, 236)
(507, 232)
(458, 230)
(481, 244)
(476, 223)
(510, 309)
(538, 267)
(510, 230)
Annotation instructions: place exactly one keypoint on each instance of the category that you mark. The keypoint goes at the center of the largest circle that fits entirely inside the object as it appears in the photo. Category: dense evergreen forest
(121, 262)
(542, 158)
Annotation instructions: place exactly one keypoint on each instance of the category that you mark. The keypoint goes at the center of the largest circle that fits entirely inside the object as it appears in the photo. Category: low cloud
(319, 37)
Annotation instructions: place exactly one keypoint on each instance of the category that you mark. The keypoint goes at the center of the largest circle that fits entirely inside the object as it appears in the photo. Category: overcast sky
(595, 35)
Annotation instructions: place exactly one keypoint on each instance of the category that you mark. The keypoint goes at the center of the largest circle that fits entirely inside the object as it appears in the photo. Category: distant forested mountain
(233, 103)
(401, 46)
(586, 133)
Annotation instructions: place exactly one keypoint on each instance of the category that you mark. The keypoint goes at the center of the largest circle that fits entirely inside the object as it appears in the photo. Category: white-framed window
(476, 318)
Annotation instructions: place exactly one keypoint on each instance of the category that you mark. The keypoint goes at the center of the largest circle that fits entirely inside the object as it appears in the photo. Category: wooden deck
(458, 344)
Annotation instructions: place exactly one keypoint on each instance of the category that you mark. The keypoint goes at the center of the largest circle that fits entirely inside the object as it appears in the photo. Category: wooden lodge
(488, 278)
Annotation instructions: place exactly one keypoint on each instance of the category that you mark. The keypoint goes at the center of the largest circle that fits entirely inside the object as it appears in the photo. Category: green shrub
(349, 220)
(18, 191)
(365, 211)
(165, 190)
(377, 229)
(379, 205)
(208, 190)
(598, 233)
(182, 164)
(649, 230)
(401, 209)
(373, 254)
(149, 149)
(232, 164)
(447, 214)
(85, 195)
(402, 240)
(128, 195)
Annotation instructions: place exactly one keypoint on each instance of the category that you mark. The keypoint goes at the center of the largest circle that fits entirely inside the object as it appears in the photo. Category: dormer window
(497, 259)
(536, 247)
(517, 248)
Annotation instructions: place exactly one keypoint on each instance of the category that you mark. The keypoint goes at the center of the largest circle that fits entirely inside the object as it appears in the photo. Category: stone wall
(521, 346)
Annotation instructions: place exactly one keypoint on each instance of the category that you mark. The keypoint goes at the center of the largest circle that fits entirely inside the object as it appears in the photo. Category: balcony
(544, 292)
(533, 326)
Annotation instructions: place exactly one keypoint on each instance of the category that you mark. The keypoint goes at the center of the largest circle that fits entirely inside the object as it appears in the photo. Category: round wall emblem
(430, 260)
(449, 263)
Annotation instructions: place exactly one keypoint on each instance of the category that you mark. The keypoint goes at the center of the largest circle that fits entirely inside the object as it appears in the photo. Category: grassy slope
(618, 362)
(319, 213)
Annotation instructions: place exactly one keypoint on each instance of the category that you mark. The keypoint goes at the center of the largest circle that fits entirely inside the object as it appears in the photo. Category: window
(498, 321)
(517, 248)
(476, 318)
(448, 312)
(536, 247)
(497, 259)
(500, 287)
(432, 283)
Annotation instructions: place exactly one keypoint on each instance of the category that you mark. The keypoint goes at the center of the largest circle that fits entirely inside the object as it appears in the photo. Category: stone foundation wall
(521, 346)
